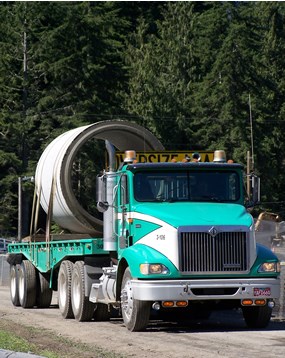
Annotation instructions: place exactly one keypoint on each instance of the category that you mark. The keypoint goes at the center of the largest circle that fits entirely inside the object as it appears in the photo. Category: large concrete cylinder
(53, 173)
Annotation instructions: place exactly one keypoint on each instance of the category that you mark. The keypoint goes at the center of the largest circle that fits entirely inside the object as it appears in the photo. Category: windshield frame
(214, 179)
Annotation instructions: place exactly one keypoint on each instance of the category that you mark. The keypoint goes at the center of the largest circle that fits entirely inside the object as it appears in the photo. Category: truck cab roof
(182, 166)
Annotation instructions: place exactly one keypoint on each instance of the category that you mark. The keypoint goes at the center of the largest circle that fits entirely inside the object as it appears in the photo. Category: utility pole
(250, 154)
(20, 205)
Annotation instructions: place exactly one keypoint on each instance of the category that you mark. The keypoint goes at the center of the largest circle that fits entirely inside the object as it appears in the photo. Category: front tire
(14, 285)
(27, 284)
(82, 308)
(135, 312)
(257, 316)
(64, 289)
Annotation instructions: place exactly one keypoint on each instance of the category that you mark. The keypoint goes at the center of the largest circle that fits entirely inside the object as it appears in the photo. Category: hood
(185, 213)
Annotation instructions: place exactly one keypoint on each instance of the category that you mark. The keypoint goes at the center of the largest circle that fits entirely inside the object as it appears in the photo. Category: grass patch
(42, 342)
(13, 343)
(9, 341)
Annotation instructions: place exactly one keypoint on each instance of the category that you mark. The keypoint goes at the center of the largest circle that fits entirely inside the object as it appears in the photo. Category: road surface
(223, 335)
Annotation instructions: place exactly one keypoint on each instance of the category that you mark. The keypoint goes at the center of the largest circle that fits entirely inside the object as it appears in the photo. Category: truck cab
(186, 239)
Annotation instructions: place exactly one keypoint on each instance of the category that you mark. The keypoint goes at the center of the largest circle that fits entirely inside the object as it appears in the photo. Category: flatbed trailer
(47, 256)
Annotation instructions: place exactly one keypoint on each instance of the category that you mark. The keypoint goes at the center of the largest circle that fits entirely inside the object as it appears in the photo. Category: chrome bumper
(161, 290)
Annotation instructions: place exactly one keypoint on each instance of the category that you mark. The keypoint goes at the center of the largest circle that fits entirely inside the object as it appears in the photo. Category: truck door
(123, 226)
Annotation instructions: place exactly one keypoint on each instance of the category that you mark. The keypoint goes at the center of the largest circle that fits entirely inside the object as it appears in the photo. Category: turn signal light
(181, 303)
(168, 304)
(260, 302)
(247, 302)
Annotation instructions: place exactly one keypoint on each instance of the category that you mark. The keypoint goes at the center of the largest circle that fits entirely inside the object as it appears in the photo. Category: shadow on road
(220, 321)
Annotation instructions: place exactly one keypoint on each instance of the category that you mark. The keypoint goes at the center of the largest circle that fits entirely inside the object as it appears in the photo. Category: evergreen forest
(199, 75)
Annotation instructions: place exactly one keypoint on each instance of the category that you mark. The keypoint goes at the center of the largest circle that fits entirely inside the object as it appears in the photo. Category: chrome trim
(213, 249)
(161, 290)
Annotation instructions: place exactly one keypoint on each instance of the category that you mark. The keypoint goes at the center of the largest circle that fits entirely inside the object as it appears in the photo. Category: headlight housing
(269, 267)
(153, 269)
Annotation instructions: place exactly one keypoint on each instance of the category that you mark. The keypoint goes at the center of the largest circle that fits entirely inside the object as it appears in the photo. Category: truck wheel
(82, 308)
(135, 312)
(14, 284)
(44, 292)
(101, 313)
(257, 317)
(27, 284)
(64, 289)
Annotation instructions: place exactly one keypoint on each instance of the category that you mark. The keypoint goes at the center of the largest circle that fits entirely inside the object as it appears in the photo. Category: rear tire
(82, 308)
(14, 284)
(44, 293)
(27, 284)
(257, 316)
(135, 312)
(64, 289)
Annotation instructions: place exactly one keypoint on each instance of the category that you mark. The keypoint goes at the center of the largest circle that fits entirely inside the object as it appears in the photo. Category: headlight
(269, 267)
(152, 269)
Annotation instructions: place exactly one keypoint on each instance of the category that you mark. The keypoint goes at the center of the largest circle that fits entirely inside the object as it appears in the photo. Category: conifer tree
(270, 126)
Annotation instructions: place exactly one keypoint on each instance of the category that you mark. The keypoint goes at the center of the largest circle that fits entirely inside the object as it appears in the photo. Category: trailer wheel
(64, 289)
(257, 316)
(135, 312)
(83, 309)
(27, 284)
(14, 284)
(44, 292)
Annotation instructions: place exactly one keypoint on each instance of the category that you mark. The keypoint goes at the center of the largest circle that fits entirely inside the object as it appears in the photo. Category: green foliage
(184, 70)
(191, 82)
(62, 66)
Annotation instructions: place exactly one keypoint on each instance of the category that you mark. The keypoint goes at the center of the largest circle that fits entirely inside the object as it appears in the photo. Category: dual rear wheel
(72, 299)
(28, 286)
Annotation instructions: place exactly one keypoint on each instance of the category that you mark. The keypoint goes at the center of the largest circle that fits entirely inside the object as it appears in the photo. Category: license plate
(262, 291)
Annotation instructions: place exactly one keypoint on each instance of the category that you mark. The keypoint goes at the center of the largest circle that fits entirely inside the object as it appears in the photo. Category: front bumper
(214, 289)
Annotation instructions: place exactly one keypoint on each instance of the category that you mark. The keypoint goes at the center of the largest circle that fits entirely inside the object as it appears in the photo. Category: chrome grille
(214, 250)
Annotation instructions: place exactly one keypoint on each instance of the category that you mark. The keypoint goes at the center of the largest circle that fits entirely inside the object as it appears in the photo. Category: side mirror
(254, 191)
(102, 206)
(255, 188)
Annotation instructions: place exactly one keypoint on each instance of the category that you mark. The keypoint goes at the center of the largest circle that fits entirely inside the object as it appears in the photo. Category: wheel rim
(62, 290)
(127, 300)
(13, 283)
(21, 285)
(76, 292)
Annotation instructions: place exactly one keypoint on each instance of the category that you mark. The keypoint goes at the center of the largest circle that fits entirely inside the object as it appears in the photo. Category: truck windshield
(207, 186)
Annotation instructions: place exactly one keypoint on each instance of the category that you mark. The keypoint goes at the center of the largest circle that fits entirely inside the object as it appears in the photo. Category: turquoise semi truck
(172, 237)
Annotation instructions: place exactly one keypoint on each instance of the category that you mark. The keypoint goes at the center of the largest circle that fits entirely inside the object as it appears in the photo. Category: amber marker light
(182, 303)
(247, 302)
(130, 156)
(260, 302)
(167, 304)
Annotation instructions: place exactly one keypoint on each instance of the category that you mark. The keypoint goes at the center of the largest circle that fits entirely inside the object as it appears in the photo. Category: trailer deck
(36, 252)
